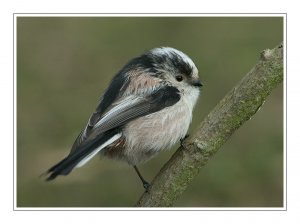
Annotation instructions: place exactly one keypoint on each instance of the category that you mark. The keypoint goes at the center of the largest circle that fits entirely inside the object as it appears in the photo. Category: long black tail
(65, 166)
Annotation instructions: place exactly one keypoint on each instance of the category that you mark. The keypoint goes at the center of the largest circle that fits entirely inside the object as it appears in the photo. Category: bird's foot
(146, 185)
(182, 141)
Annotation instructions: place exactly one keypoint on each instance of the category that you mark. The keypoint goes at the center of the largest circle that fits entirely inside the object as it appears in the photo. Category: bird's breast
(148, 135)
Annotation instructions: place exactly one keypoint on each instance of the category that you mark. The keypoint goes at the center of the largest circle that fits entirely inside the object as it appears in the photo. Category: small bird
(146, 108)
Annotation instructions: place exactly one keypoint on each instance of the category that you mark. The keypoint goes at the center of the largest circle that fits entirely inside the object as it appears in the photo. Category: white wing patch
(121, 106)
(92, 154)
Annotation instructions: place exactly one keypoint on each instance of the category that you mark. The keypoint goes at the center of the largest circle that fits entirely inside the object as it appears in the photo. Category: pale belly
(146, 136)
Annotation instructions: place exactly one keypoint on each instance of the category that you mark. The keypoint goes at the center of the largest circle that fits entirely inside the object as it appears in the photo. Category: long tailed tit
(146, 108)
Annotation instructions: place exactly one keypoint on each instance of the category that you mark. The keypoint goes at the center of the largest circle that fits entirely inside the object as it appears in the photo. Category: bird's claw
(146, 186)
(182, 141)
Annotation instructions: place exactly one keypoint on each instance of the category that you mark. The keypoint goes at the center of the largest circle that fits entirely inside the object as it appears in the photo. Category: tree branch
(238, 106)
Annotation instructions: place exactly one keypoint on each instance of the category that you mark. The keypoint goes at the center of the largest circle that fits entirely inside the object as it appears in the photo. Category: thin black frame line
(14, 146)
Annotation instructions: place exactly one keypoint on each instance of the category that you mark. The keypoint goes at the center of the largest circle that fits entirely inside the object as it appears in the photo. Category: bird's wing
(116, 89)
(127, 109)
(108, 129)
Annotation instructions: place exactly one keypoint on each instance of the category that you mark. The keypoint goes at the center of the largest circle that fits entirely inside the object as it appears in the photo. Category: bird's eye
(179, 78)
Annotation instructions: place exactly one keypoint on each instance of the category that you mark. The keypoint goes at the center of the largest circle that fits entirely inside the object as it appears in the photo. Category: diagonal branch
(238, 106)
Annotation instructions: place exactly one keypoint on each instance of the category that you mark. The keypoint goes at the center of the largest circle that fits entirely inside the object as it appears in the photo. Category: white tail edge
(92, 154)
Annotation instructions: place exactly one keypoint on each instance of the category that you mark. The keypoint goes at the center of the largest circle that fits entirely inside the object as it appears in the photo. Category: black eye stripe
(182, 66)
(155, 62)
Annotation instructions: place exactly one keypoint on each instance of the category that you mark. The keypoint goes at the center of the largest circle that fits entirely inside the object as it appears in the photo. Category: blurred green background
(65, 63)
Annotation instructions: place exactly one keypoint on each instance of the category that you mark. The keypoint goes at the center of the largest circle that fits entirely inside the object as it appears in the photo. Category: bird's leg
(145, 183)
(182, 141)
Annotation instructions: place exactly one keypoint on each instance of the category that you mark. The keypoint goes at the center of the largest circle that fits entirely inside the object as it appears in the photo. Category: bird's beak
(197, 83)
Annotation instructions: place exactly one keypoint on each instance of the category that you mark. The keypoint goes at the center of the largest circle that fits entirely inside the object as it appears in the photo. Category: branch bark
(238, 106)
